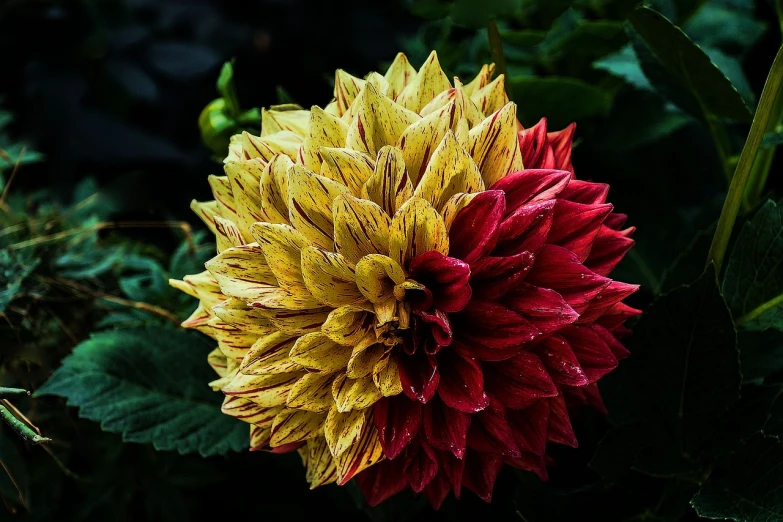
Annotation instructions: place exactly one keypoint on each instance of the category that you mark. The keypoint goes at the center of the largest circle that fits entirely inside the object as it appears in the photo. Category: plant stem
(496, 51)
(22, 429)
(760, 170)
(728, 215)
(12, 392)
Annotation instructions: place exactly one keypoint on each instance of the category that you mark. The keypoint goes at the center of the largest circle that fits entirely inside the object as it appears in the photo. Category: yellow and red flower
(409, 288)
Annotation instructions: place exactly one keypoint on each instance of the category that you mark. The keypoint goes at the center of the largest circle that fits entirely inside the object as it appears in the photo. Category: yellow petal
(481, 80)
(221, 191)
(360, 228)
(492, 97)
(218, 362)
(310, 198)
(420, 139)
(206, 210)
(386, 376)
(242, 272)
(299, 322)
(342, 430)
(321, 466)
(259, 437)
(266, 390)
(284, 142)
(378, 122)
(354, 394)
(315, 351)
(363, 360)
(347, 325)
(416, 228)
(312, 392)
(273, 121)
(325, 130)
(282, 246)
(450, 171)
(248, 411)
(206, 289)
(235, 152)
(452, 207)
(269, 354)
(273, 190)
(464, 104)
(399, 75)
(245, 179)
(346, 89)
(199, 320)
(379, 82)
(376, 276)
(232, 342)
(347, 167)
(494, 145)
(296, 425)
(389, 186)
(238, 314)
(227, 234)
(330, 278)
(428, 83)
(282, 300)
(361, 455)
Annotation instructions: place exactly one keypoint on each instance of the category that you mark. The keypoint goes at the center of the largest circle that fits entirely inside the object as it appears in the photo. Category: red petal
(419, 375)
(462, 382)
(531, 186)
(575, 226)
(493, 325)
(438, 490)
(617, 315)
(421, 466)
(585, 192)
(536, 151)
(609, 296)
(446, 277)
(493, 277)
(446, 428)
(618, 350)
(481, 472)
(490, 432)
(615, 221)
(531, 462)
(473, 348)
(594, 356)
(526, 229)
(398, 420)
(608, 249)
(474, 232)
(453, 468)
(561, 361)
(562, 145)
(560, 430)
(530, 427)
(520, 381)
(544, 308)
(382, 481)
(559, 269)
(440, 328)
(584, 396)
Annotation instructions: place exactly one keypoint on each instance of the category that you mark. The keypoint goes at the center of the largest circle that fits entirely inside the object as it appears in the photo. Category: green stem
(12, 392)
(22, 429)
(728, 215)
(760, 309)
(496, 50)
(760, 170)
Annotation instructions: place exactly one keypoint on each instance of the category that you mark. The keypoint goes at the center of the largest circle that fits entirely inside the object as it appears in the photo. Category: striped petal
(238, 314)
(273, 189)
(282, 246)
(347, 167)
(494, 145)
(292, 425)
(245, 179)
(361, 455)
(376, 277)
(269, 354)
(360, 228)
(390, 186)
(284, 118)
(312, 392)
(316, 351)
(266, 148)
(325, 130)
(419, 141)
(348, 325)
(491, 97)
(428, 83)
(354, 394)
(399, 75)
(248, 411)
(310, 198)
(481, 80)
(416, 228)
(266, 390)
(378, 122)
(330, 278)
(342, 430)
(243, 272)
(321, 466)
(346, 89)
(386, 376)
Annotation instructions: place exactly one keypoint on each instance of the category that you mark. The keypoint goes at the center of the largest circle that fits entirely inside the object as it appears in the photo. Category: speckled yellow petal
(363, 360)
(389, 186)
(481, 80)
(416, 228)
(492, 97)
(221, 191)
(494, 145)
(310, 198)
(282, 246)
(312, 392)
(326, 130)
(296, 425)
(419, 141)
(376, 276)
(347, 167)
(386, 376)
(399, 75)
(227, 234)
(206, 210)
(232, 342)
(361, 455)
(235, 152)
(259, 437)
(237, 313)
(298, 322)
(245, 178)
(242, 272)
(284, 142)
(278, 300)
(378, 122)
(330, 278)
(199, 320)
(450, 171)
(206, 289)
(273, 190)
(452, 207)
(218, 362)
(360, 228)
(316, 351)
(269, 354)
(347, 325)
(248, 411)
(321, 466)
(428, 83)
(354, 394)
(279, 119)
(266, 390)
(343, 429)
(463, 102)
(346, 89)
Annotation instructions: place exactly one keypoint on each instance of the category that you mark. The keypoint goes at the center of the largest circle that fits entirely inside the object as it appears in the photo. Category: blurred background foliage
(112, 115)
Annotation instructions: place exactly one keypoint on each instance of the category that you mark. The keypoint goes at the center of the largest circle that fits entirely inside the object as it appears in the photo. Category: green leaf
(477, 14)
(745, 486)
(560, 100)
(150, 385)
(753, 284)
(772, 139)
(689, 65)
(625, 64)
(725, 27)
(761, 354)
(525, 38)
(15, 267)
(681, 378)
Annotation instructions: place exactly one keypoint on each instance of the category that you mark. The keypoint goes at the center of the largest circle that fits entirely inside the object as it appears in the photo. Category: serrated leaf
(753, 284)
(15, 267)
(560, 100)
(745, 486)
(689, 65)
(150, 385)
(625, 64)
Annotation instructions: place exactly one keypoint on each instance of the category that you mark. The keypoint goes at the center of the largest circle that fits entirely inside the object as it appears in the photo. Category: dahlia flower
(410, 289)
